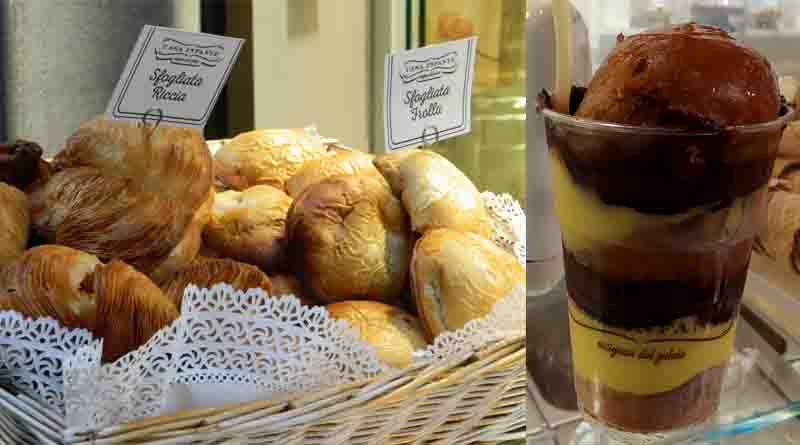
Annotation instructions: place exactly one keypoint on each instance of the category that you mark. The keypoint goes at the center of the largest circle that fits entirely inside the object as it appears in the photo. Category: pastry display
(14, 223)
(350, 239)
(286, 284)
(265, 157)
(127, 216)
(458, 276)
(113, 301)
(394, 333)
(205, 273)
(658, 222)
(435, 192)
(125, 192)
(342, 162)
(250, 226)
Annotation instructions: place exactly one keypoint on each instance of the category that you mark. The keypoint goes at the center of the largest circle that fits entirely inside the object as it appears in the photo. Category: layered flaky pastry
(113, 301)
(459, 276)
(394, 333)
(124, 191)
(15, 221)
(109, 217)
(250, 226)
(435, 192)
(171, 162)
(130, 308)
(340, 162)
(205, 273)
(265, 157)
(350, 240)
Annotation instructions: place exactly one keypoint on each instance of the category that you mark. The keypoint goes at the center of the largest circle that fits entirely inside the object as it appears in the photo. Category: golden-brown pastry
(394, 333)
(350, 240)
(341, 162)
(15, 222)
(250, 226)
(265, 157)
(207, 272)
(130, 309)
(171, 162)
(54, 281)
(113, 301)
(123, 191)
(435, 192)
(189, 247)
(106, 216)
(285, 284)
(458, 276)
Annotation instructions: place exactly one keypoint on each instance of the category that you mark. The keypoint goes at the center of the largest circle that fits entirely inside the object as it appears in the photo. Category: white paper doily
(508, 223)
(276, 346)
(32, 353)
(265, 347)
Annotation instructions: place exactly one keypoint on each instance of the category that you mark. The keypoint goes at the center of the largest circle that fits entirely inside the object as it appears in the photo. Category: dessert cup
(657, 230)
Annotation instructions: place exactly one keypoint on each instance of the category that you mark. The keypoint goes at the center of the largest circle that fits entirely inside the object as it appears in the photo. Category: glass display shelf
(759, 405)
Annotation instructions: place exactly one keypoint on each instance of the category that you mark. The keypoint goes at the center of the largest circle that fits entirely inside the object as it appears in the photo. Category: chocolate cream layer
(665, 175)
(633, 270)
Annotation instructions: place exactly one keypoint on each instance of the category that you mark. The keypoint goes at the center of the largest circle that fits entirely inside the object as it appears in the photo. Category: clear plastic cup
(657, 229)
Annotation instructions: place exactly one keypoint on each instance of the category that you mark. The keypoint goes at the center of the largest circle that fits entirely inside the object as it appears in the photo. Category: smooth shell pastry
(341, 162)
(265, 157)
(459, 276)
(250, 226)
(394, 333)
(435, 192)
(350, 240)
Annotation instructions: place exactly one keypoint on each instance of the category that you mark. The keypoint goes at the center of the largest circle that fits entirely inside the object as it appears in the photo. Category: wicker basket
(476, 399)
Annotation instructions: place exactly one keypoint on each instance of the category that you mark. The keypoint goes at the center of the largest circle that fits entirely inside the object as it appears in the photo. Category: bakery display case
(211, 244)
(279, 275)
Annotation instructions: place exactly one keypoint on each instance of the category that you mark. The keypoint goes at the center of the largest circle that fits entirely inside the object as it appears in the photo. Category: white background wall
(311, 61)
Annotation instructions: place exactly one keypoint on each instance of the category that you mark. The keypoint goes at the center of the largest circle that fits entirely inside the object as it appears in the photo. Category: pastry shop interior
(632, 167)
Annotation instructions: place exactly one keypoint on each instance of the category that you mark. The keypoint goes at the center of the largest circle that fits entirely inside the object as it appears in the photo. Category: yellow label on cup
(644, 362)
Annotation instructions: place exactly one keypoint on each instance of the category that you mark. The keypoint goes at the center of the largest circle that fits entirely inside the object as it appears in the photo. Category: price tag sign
(174, 75)
(427, 93)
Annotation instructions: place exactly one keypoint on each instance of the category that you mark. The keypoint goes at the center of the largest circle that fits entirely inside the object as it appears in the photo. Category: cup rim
(591, 124)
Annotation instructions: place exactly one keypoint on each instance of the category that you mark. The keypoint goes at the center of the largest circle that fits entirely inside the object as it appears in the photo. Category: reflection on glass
(493, 155)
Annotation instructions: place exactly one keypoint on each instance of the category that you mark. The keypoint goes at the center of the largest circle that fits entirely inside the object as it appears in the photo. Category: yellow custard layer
(645, 362)
(586, 220)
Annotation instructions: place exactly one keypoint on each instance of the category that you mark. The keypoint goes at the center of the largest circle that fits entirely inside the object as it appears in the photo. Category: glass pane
(493, 155)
